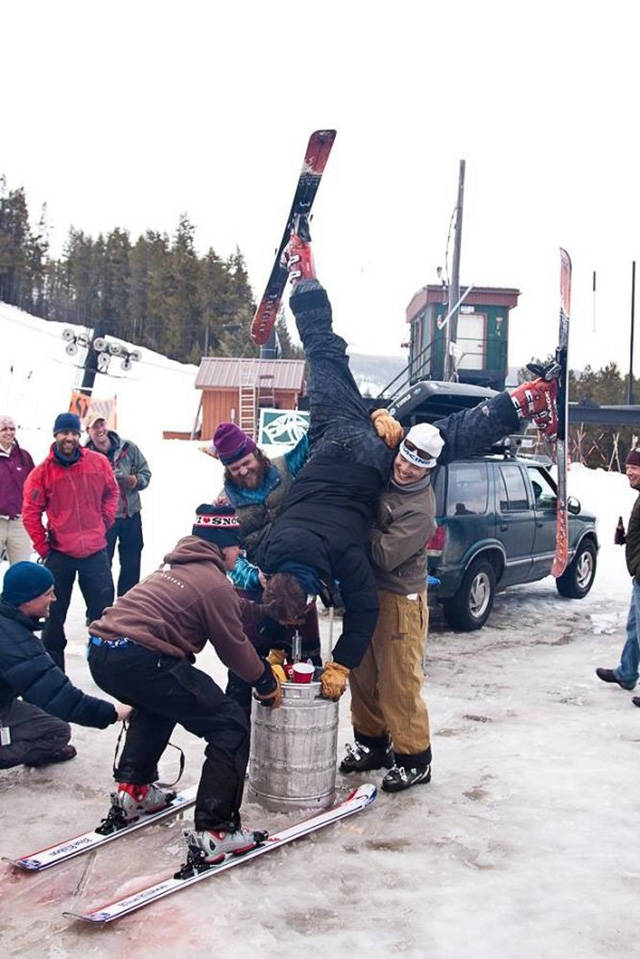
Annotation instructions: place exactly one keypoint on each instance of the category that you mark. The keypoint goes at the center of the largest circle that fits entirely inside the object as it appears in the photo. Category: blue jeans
(627, 671)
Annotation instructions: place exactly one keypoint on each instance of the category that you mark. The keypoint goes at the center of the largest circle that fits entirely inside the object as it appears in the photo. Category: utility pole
(454, 288)
(633, 314)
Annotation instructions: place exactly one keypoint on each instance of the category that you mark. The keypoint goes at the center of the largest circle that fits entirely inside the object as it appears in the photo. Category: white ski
(357, 800)
(63, 851)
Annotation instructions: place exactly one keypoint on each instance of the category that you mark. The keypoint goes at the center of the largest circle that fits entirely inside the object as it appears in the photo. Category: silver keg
(294, 750)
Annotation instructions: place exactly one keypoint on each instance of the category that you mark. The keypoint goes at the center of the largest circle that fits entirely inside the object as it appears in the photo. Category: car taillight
(437, 541)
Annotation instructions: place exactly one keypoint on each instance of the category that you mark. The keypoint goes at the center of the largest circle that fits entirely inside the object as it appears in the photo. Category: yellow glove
(276, 657)
(279, 673)
(387, 428)
(334, 680)
(268, 689)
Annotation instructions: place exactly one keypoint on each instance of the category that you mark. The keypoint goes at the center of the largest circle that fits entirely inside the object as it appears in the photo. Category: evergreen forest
(154, 291)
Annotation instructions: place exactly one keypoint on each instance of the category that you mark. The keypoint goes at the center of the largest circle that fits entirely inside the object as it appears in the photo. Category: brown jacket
(398, 541)
(182, 604)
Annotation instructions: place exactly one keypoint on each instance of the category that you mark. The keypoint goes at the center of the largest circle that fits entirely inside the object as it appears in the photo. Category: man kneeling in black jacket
(34, 730)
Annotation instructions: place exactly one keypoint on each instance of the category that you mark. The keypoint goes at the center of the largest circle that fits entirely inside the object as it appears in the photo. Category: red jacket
(80, 501)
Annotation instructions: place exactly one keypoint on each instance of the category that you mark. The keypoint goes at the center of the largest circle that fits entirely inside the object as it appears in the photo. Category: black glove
(267, 689)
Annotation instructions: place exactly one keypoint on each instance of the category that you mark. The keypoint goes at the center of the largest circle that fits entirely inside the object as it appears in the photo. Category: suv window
(543, 491)
(468, 489)
(512, 491)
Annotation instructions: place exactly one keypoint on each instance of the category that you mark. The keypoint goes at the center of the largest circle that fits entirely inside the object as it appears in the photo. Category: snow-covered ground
(521, 846)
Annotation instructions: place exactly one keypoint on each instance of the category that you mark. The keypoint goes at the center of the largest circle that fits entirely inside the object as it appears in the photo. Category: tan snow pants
(386, 687)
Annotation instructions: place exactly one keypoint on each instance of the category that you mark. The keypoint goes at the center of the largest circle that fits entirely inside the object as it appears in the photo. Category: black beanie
(217, 524)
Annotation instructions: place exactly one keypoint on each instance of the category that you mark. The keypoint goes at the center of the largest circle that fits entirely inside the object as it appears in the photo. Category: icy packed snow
(522, 845)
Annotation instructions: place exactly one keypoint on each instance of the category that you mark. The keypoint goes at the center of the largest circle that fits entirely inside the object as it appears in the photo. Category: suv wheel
(469, 608)
(578, 577)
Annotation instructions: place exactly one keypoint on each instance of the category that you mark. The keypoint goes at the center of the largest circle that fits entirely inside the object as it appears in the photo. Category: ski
(562, 519)
(315, 160)
(63, 851)
(192, 872)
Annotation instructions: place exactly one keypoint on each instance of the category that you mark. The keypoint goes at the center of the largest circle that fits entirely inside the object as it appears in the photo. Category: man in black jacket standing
(626, 673)
(34, 729)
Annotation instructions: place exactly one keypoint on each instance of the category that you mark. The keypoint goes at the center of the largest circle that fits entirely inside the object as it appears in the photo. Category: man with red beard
(257, 487)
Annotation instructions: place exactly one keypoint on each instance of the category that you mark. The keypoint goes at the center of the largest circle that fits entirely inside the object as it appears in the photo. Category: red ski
(562, 518)
(315, 160)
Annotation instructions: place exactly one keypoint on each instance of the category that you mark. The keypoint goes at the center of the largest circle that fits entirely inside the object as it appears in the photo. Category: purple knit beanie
(633, 459)
(230, 443)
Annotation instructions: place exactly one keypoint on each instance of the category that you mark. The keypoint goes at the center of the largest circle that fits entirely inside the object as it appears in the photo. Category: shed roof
(229, 372)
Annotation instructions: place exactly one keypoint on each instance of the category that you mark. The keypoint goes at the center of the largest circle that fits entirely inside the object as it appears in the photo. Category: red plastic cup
(303, 672)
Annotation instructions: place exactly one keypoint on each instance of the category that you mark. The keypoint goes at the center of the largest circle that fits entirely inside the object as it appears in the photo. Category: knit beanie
(633, 459)
(217, 524)
(66, 421)
(230, 443)
(25, 581)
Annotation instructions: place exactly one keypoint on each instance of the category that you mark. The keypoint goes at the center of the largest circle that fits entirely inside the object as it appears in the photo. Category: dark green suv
(496, 527)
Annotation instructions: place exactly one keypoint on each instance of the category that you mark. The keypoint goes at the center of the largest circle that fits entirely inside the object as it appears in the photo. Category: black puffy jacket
(27, 670)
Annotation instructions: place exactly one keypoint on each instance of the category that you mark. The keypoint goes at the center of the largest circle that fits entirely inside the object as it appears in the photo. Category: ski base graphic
(63, 851)
(358, 800)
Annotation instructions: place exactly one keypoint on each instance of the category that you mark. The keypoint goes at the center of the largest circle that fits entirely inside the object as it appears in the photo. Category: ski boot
(208, 847)
(401, 777)
(537, 400)
(298, 254)
(131, 802)
(361, 758)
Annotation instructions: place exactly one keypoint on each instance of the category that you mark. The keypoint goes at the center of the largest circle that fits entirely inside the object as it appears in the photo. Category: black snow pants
(165, 691)
(35, 735)
(127, 532)
(340, 421)
(96, 586)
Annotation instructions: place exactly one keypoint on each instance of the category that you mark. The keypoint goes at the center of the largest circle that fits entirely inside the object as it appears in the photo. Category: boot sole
(399, 789)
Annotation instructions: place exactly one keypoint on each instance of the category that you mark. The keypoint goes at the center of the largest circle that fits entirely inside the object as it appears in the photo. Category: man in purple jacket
(15, 466)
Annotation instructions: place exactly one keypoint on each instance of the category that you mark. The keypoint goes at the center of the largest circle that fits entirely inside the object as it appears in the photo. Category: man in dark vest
(257, 487)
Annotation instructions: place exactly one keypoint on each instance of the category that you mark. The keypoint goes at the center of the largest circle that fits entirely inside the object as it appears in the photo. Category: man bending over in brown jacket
(145, 646)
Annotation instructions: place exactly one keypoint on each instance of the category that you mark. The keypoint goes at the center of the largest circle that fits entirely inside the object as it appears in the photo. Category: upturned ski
(562, 519)
(107, 832)
(194, 871)
(315, 160)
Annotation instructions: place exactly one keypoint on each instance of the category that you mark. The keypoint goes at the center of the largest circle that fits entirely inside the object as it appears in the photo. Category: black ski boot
(401, 777)
(360, 758)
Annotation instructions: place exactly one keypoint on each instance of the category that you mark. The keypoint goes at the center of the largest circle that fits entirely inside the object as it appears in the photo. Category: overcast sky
(129, 113)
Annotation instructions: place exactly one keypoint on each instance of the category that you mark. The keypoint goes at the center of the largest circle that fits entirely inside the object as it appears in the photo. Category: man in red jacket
(15, 466)
(77, 490)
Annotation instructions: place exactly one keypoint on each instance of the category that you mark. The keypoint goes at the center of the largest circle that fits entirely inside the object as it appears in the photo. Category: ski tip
(367, 792)
(324, 135)
(264, 322)
(564, 256)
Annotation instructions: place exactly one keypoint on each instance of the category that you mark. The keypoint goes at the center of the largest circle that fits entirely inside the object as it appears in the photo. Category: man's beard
(252, 480)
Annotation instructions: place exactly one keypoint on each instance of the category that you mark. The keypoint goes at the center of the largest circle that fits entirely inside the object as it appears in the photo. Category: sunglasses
(416, 449)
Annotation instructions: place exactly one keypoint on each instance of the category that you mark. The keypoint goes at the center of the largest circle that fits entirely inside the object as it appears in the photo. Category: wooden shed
(483, 334)
(234, 390)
